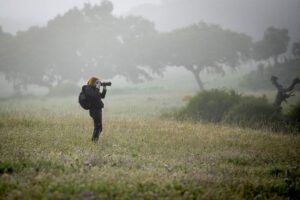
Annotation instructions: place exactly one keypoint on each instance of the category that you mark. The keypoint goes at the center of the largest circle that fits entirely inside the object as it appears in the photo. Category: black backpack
(84, 100)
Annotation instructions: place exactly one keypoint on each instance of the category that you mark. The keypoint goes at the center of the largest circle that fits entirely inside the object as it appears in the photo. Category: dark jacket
(95, 96)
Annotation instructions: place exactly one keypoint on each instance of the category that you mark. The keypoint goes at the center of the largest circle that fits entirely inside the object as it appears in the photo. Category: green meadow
(46, 153)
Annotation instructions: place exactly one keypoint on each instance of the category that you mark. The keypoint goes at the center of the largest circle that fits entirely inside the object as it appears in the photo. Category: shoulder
(92, 91)
(87, 87)
(84, 87)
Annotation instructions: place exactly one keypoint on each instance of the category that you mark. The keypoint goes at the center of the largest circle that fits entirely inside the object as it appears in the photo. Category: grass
(46, 153)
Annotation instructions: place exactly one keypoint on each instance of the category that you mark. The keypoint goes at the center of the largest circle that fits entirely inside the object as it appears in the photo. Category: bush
(293, 115)
(209, 106)
(230, 107)
(253, 112)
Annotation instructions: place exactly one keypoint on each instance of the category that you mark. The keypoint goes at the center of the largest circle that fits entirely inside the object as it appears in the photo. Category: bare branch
(274, 81)
(282, 93)
(292, 86)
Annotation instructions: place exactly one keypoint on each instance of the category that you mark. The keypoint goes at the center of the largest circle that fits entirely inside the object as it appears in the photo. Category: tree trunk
(196, 72)
(198, 80)
(283, 93)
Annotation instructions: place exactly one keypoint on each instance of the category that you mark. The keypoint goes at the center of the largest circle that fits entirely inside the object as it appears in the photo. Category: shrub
(230, 107)
(209, 105)
(253, 112)
(293, 115)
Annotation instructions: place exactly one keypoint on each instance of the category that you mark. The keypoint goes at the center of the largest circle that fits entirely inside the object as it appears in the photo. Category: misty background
(249, 17)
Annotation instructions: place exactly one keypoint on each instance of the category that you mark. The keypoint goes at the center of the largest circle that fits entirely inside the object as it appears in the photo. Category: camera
(105, 84)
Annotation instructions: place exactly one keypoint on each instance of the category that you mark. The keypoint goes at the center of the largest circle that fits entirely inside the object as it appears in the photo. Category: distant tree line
(286, 68)
(92, 41)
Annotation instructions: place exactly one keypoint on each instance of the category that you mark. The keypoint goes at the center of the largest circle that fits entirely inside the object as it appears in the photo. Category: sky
(21, 14)
(248, 16)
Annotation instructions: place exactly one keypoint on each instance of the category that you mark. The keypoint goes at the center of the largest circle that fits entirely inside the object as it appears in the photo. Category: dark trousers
(96, 114)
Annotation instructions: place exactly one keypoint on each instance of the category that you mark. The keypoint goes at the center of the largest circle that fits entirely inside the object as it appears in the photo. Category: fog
(249, 16)
(20, 15)
(149, 99)
(203, 43)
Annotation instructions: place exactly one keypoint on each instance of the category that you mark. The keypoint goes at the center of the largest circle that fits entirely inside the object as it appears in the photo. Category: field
(46, 153)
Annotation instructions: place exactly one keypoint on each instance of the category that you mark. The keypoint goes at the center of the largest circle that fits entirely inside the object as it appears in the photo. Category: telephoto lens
(105, 83)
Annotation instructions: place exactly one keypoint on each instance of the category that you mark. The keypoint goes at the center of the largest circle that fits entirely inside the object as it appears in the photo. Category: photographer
(92, 90)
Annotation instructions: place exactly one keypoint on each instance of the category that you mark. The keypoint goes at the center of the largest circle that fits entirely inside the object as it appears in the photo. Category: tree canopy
(202, 46)
(81, 43)
(92, 41)
(274, 43)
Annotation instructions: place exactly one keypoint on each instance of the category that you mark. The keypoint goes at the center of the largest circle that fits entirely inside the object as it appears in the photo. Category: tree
(296, 49)
(201, 46)
(274, 43)
(283, 93)
(92, 41)
(78, 44)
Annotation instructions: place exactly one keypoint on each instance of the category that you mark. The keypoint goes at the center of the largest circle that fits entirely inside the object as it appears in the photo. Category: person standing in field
(93, 93)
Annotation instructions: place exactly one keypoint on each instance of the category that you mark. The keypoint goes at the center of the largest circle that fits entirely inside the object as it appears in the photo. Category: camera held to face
(98, 83)
(105, 83)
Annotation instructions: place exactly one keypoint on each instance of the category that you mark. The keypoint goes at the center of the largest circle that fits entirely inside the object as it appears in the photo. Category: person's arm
(103, 93)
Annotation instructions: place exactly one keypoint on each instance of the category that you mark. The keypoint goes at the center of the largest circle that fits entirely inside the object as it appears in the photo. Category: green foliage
(202, 46)
(260, 79)
(274, 43)
(293, 115)
(79, 43)
(209, 106)
(252, 112)
(232, 108)
(289, 188)
(6, 168)
(238, 161)
(92, 41)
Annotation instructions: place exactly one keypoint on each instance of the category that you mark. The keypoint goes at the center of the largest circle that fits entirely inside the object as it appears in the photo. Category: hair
(91, 81)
